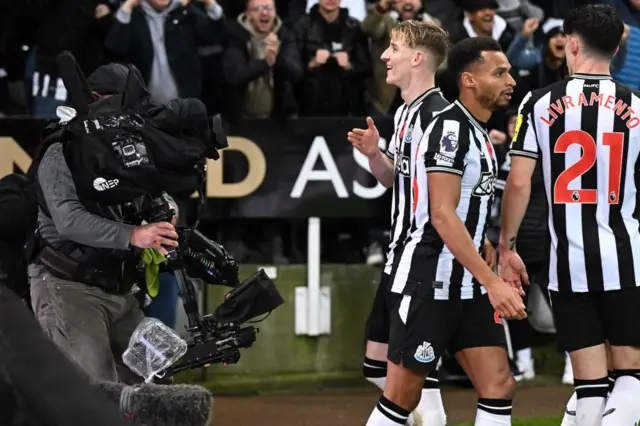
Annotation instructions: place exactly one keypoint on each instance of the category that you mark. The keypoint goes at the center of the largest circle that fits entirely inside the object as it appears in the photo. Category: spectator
(357, 8)
(377, 25)
(514, 10)
(481, 20)
(161, 38)
(76, 26)
(335, 55)
(624, 66)
(540, 64)
(261, 64)
(552, 66)
(522, 53)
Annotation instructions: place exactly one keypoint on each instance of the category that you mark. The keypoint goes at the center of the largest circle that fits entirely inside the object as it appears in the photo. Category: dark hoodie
(328, 89)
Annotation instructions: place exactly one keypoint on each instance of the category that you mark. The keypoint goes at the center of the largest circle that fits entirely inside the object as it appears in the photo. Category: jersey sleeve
(525, 139)
(447, 146)
(391, 148)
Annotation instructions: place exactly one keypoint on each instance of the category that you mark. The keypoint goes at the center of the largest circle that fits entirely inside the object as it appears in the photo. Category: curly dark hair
(467, 52)
(599, 26)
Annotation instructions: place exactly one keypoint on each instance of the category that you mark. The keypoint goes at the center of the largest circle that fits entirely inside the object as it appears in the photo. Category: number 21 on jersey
(561, 192)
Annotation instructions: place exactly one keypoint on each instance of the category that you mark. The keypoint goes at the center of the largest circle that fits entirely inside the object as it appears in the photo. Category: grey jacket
(70, 221)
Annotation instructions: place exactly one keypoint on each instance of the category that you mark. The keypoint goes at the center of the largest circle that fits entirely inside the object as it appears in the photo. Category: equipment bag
(19, 213)
(126, 146)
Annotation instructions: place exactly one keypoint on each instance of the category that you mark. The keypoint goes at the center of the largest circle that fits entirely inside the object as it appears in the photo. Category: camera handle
(187, 294)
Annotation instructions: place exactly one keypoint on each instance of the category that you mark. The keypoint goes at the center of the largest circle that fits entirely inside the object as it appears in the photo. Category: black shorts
(588, 319)
(377, 327)
(422, 329)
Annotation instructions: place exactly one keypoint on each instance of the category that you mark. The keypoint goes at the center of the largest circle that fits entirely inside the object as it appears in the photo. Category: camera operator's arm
(74, 222)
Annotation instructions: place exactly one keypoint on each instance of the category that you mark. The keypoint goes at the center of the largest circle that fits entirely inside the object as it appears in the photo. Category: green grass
(549, 421)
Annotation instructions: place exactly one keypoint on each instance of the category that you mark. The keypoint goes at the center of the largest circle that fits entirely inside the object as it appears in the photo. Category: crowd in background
(270, 58)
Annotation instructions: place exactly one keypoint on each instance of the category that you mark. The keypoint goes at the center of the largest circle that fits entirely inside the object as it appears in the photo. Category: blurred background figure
(261, 64)
(336, 60)
(161, 38)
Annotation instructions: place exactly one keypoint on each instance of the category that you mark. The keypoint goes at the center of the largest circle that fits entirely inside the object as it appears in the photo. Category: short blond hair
(423, 35)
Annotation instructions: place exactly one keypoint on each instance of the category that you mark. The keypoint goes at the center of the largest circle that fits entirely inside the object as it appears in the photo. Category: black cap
(475, 5)
(110, 79)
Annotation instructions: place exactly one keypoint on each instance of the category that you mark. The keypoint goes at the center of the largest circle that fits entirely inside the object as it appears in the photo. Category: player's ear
(467, 80)
(574, 45)
(418, 57)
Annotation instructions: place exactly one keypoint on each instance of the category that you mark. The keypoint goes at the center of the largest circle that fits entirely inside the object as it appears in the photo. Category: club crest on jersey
(425, 353)
(485, 185)
(407, 139)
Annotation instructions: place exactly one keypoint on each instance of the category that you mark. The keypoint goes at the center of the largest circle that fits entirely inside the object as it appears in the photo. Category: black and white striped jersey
(455, 142)
(585, 130)
(410, 123)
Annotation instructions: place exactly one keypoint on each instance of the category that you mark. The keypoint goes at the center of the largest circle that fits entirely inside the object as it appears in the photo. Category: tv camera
(216, 337)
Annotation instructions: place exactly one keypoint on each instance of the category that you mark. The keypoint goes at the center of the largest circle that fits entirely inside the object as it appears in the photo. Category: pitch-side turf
(533, 406)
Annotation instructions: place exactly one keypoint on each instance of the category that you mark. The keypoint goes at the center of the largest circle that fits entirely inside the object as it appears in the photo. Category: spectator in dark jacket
(335, 54)
(78, 26)
(261, 64)
(161, 38)
(481, 19)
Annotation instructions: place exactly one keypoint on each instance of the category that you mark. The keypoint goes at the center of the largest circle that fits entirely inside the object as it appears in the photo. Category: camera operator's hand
(155, 235)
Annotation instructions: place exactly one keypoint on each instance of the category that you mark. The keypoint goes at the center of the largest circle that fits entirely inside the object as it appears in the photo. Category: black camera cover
(125, 146)
(256, 296)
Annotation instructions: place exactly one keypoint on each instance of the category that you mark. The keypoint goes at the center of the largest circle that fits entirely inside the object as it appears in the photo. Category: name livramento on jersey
(586, 133)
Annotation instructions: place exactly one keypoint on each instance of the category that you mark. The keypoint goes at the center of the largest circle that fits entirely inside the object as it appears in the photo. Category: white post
(313, 276)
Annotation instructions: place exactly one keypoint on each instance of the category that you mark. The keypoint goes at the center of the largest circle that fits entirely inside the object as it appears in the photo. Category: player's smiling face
(399, 58)
(493, 83)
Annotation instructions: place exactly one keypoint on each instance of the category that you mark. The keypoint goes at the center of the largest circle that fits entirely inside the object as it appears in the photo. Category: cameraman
(82, 289)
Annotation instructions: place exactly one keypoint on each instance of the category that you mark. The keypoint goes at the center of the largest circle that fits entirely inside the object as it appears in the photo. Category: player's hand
(497, 137)
(505, 299)
(490, 253)
(512, 270)
(155, 235)
(365, 140)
